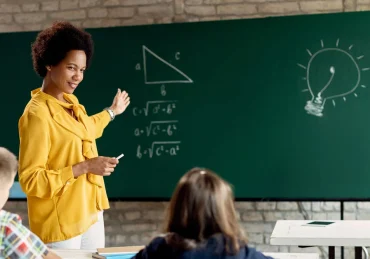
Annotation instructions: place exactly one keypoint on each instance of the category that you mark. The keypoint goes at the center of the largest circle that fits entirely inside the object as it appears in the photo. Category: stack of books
(124, 252)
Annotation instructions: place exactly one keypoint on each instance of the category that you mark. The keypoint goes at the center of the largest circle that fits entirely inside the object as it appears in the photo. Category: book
(114, 256)
(123, 252)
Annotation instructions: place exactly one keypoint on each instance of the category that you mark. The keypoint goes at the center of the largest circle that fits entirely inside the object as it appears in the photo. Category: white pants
(92, 239)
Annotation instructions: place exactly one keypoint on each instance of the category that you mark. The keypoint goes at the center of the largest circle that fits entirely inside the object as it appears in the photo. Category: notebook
(123, 252)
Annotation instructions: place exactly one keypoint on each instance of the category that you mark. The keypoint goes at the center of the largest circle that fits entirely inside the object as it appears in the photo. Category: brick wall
(25, 15)
(137, 222)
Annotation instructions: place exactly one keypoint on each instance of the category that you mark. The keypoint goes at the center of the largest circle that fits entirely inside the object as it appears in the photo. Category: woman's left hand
(120, 102)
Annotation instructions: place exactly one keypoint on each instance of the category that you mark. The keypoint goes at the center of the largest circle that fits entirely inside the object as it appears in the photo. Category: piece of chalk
(121, 155)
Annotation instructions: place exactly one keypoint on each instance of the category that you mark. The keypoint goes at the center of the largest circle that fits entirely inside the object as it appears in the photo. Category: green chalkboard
(279, 107)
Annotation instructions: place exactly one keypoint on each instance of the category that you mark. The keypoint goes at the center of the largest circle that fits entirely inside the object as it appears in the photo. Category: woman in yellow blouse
(59, 167)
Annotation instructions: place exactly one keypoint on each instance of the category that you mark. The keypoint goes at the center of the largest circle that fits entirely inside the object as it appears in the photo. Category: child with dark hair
(59, 167)
(16, 241)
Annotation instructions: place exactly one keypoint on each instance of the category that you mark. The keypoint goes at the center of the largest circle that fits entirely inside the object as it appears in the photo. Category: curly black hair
(52, 45)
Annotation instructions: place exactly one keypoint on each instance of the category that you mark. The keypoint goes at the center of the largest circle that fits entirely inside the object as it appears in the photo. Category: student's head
(62, 53)
(202, 205)
(8, 169)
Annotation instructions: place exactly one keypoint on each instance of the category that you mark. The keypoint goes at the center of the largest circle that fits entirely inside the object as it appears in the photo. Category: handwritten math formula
(162, 131)
(158, 135)
(159, 148)
(157, 128)
(155, 107)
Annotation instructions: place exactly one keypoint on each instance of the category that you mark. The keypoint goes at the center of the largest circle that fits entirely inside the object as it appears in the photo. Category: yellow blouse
(51, 142)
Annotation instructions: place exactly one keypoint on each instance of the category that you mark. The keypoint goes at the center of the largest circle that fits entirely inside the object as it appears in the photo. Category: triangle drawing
(170, 73)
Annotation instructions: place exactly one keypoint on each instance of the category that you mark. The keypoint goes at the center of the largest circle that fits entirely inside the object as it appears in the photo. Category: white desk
(354, 233)
(293, 255)
(86, 254)
(74, 254)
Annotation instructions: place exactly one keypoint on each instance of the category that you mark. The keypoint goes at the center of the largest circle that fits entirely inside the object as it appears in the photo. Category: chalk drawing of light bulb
(331, 73)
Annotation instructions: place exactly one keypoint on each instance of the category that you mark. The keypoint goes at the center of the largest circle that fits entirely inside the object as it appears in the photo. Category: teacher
(59, 167)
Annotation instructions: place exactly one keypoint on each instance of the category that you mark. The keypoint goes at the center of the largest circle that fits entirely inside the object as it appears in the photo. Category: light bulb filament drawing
(332, 71)
(316, 107)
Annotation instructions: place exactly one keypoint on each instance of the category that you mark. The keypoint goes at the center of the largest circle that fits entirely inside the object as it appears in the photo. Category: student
(16, 241)
(59, 167)
(201, 222)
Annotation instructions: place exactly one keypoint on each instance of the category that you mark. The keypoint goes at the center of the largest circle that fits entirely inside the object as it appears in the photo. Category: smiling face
(66, 76)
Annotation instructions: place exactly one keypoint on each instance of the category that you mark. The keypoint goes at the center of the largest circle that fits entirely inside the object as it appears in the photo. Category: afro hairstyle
(52, 45)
